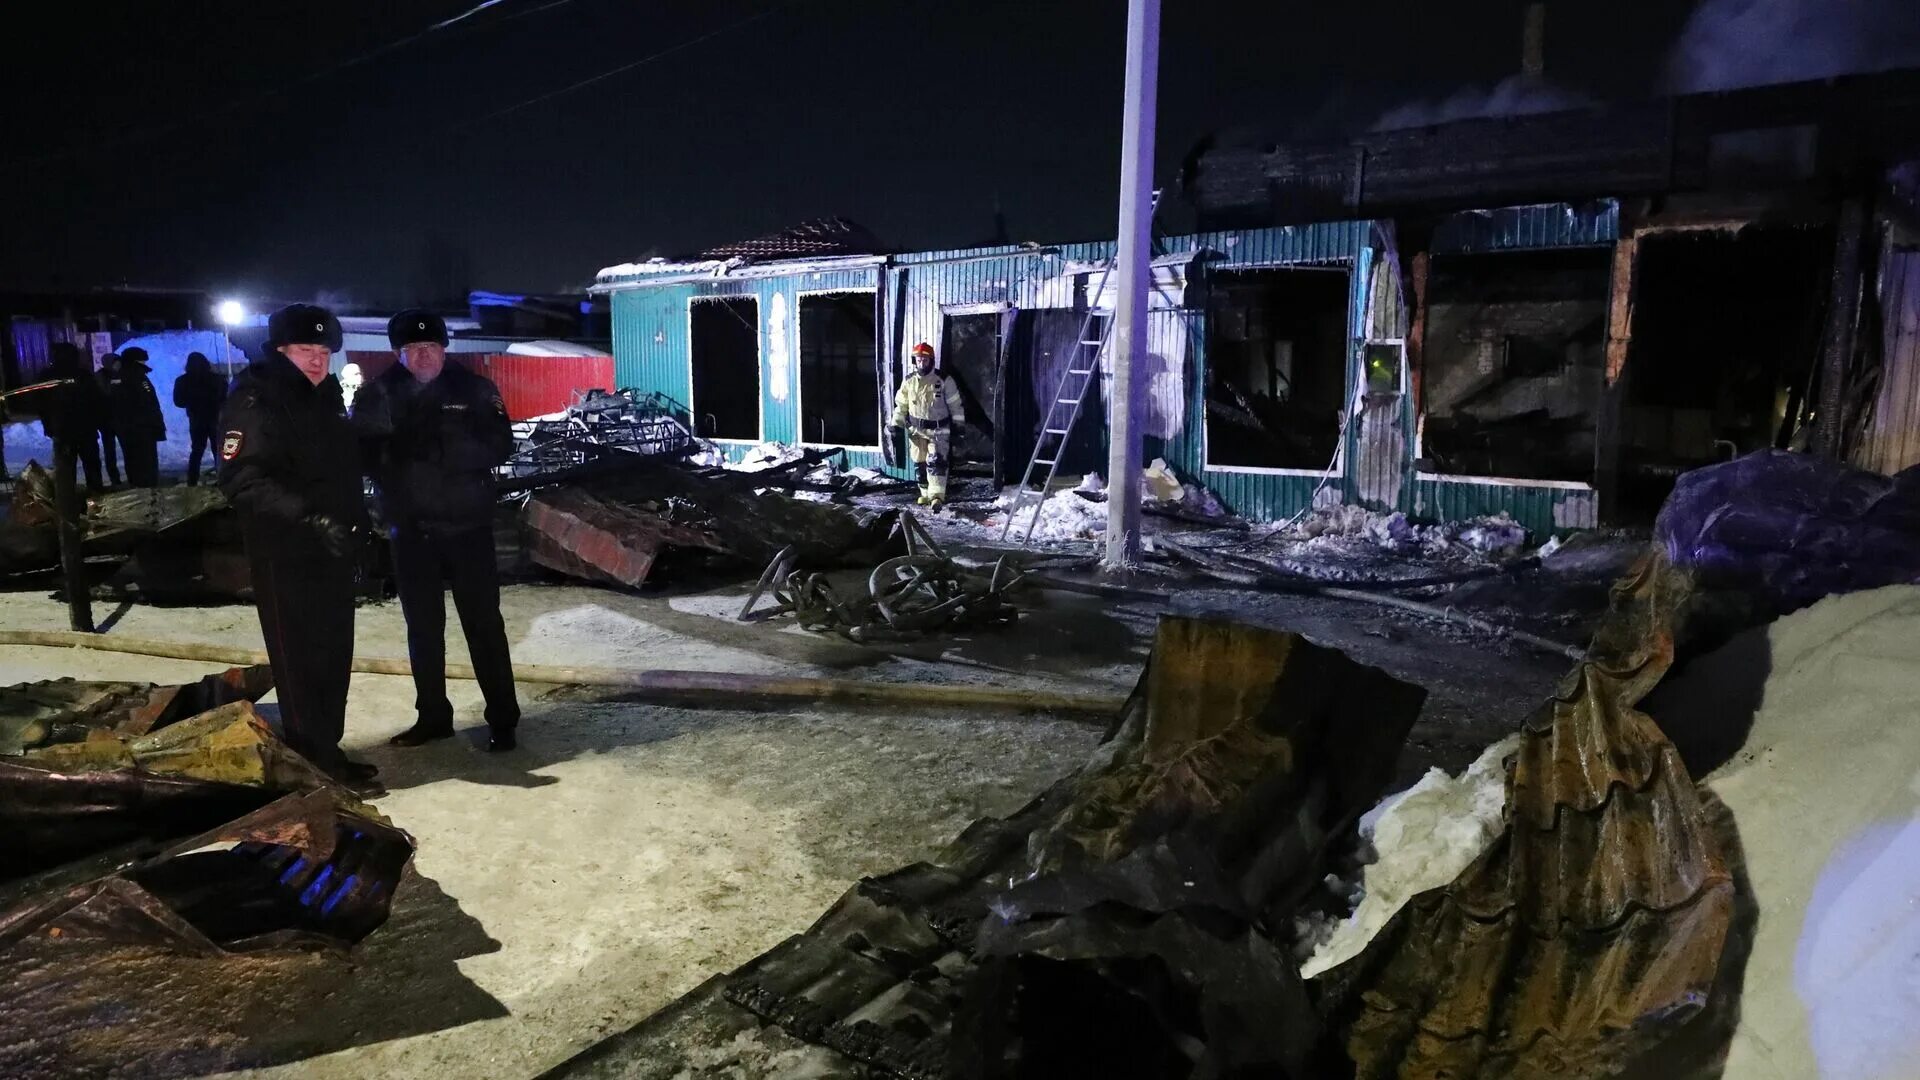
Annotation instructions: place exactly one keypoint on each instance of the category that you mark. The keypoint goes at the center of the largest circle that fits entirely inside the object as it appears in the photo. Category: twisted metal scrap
(1588, 938)
(907, 596)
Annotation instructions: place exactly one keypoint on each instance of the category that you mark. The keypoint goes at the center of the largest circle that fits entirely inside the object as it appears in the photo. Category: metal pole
(1129, 339)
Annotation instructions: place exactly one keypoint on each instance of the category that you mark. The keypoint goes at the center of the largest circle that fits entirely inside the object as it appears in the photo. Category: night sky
(342, 151)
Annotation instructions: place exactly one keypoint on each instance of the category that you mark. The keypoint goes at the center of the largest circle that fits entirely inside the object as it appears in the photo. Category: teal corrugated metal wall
(1269, 496)
(1541, 509)
(651, 349)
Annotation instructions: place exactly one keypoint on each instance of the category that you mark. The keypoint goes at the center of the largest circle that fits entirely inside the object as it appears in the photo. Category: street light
(231, 313)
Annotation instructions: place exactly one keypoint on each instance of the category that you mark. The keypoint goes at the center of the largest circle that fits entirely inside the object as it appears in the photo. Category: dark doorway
(970, 352)
(725, 348)
(1726, 326)
(1045, 344)
(1515, 358)
(1276, 367)
(839, 389)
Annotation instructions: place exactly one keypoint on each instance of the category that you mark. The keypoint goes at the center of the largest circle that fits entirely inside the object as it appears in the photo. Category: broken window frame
(1344, 267)
(760, 370)
(1420, 413)
(799, 382)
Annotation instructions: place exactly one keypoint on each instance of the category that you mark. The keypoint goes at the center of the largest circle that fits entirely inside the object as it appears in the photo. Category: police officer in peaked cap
(289, 463)
(431, 433)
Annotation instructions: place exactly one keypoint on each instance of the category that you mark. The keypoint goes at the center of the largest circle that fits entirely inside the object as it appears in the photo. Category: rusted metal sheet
(64, 710)
(1243, 753)
(577, 534)
(311, 866)
(1592, 930)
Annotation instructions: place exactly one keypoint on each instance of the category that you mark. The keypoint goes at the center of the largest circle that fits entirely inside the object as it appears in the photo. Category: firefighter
(431, 433)
(928, 405)
(291, 466)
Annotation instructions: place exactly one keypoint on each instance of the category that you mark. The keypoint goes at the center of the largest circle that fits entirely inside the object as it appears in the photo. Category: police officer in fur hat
(291, 465)
(432, 432)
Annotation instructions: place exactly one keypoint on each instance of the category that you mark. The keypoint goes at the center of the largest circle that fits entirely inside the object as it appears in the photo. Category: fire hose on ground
(711, 689)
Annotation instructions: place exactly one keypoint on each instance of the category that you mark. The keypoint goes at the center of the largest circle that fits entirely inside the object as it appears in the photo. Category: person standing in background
(99, 400)
(199, 393)
(137, 419)
(72, 415)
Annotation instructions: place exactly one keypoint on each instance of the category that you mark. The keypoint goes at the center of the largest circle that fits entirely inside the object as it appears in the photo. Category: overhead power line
(159, 131)
(630, 65)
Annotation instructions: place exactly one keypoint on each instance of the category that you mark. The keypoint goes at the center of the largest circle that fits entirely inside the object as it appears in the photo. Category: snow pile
(1066, 515)
(1491, 534)
(711, 454)
(1342, 527)
(1825, 796)
(767, 455)
(1424, 836)
(552, 347)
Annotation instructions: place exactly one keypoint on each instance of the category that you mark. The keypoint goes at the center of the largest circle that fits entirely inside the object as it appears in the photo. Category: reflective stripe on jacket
(928, 397)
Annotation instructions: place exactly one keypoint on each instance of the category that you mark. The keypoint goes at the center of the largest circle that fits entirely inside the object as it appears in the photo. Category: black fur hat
(303, 324)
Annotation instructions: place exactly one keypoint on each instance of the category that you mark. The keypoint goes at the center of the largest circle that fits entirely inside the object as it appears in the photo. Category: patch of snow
(766, 456)
(1424, 837)
(1491, 534)
(1548, 549)
(1826, 796)
(1091, 484)
(1390, 531)
(552, 347)
(1064, 516)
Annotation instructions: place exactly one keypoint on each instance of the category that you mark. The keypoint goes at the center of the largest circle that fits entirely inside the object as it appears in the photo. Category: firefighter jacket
(928, 401)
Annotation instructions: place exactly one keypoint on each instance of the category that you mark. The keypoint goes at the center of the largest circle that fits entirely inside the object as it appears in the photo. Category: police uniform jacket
(431, 447)
(286, 451)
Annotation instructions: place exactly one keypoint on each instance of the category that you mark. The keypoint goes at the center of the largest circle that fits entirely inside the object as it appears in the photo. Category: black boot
(358, 777)
(501, 740)
(423, 732)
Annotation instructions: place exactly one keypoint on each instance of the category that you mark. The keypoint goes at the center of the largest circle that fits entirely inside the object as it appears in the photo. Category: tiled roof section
(822, 237)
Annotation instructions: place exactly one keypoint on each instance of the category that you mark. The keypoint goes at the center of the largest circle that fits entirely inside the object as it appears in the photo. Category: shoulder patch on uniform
(230, 445)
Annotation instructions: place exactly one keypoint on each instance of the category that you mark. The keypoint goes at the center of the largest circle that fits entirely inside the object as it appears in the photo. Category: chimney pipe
(1533, 41)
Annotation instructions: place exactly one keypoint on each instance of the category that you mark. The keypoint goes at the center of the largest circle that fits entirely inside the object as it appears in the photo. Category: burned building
(1607, 297)
(1552, 315)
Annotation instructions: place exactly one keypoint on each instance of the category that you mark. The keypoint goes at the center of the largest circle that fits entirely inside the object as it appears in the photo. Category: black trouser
(106, 450)
(201, 438)
(425, 565)
(143, 462)
(87, 450)
(305, 600)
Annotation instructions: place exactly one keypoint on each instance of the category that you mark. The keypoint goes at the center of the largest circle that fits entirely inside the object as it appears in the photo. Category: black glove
(335, 535)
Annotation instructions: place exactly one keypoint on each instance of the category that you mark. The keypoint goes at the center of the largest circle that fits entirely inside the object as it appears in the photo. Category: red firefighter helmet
(922, 349)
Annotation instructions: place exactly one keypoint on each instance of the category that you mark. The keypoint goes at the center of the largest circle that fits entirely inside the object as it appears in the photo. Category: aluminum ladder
(1063, 412)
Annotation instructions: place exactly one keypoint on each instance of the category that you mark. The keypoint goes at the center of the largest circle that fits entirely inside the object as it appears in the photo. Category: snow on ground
(1825, 795)
(1423, 838)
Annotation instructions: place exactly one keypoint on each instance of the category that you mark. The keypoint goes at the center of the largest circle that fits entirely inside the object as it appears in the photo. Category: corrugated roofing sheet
(1522, 228)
